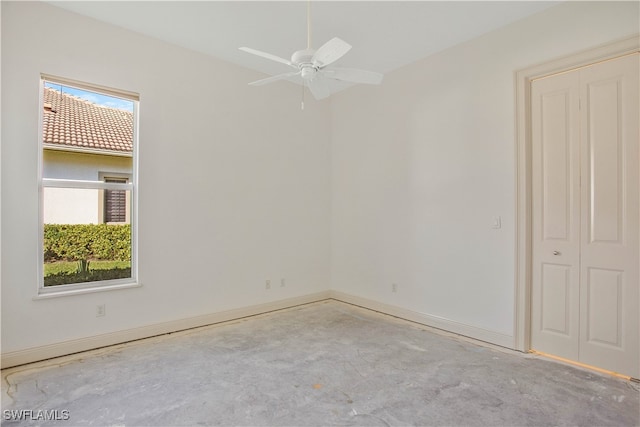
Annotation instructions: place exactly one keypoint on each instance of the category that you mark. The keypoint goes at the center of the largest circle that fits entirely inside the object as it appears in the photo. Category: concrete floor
(327, 363)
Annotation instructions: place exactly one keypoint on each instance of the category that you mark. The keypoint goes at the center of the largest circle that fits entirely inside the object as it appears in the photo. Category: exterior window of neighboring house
(115, 203)
(89, 189)
(115, 207)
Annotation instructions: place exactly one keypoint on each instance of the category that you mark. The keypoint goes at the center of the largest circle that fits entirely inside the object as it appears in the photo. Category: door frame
(523, 241)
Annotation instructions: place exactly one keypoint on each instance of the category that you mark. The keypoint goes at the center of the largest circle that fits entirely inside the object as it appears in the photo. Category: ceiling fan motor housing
(303, 60)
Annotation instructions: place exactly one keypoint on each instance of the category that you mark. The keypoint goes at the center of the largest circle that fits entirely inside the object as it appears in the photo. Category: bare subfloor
(327, 363)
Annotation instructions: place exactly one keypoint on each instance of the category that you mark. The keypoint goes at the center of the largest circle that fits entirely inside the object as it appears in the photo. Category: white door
(585, 211)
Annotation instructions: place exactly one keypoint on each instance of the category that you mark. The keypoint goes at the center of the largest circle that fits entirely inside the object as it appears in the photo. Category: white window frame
(132, 186)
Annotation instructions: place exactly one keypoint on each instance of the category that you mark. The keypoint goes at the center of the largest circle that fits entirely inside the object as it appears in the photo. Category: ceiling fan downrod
(309, 24)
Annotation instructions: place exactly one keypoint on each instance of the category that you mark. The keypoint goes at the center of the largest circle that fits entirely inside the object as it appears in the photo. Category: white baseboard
(64, 348)
(474, 332)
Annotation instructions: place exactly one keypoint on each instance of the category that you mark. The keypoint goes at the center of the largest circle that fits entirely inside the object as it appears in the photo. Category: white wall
(423, 163)
(234, 181)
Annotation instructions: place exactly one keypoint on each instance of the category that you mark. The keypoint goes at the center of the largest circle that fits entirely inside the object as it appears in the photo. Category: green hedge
(75, 242)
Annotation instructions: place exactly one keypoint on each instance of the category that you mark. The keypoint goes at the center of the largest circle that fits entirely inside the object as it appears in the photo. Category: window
(88, 182)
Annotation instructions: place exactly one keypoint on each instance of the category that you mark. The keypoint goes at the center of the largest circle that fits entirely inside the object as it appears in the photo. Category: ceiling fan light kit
(311, 65)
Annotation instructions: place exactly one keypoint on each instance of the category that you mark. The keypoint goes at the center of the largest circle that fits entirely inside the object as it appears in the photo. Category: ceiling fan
(312, 65)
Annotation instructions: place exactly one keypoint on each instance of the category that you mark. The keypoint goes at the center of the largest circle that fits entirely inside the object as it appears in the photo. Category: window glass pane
(77, 247)
(87, 137)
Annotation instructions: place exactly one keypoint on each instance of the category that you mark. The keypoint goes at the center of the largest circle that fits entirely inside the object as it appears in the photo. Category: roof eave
(74, 149)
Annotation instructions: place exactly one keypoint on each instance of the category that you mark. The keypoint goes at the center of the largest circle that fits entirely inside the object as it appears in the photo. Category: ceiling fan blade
(274, 78)
(319, 87)
(353, 75)
(330, 52)
(266, 55)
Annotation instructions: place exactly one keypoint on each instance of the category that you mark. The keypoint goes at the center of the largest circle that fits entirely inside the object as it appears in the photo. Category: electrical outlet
(394, 287)
(268, 285)
(282, 283)
(101, 310)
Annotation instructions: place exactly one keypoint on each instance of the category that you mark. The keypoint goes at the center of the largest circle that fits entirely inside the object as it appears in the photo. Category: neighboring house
(85, 141)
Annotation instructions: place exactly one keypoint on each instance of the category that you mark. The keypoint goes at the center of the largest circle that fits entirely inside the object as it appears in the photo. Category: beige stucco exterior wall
(78, 206)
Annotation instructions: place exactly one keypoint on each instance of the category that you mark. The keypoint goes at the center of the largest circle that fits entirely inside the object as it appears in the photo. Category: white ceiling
(385, 35)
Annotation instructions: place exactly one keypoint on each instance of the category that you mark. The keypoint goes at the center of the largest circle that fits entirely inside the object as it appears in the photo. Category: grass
(67, 267)
(66, 273)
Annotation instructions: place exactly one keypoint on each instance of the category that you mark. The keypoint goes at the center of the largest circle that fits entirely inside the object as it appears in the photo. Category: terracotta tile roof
(73, 122)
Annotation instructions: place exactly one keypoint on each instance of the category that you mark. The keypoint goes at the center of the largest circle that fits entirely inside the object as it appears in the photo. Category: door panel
(604, 307)
(605, 168)
(556, 299)
(556, 230)
(610, 255)
(555, 165)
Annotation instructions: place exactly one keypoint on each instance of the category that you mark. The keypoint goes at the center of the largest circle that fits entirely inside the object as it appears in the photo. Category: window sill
(54, 293)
